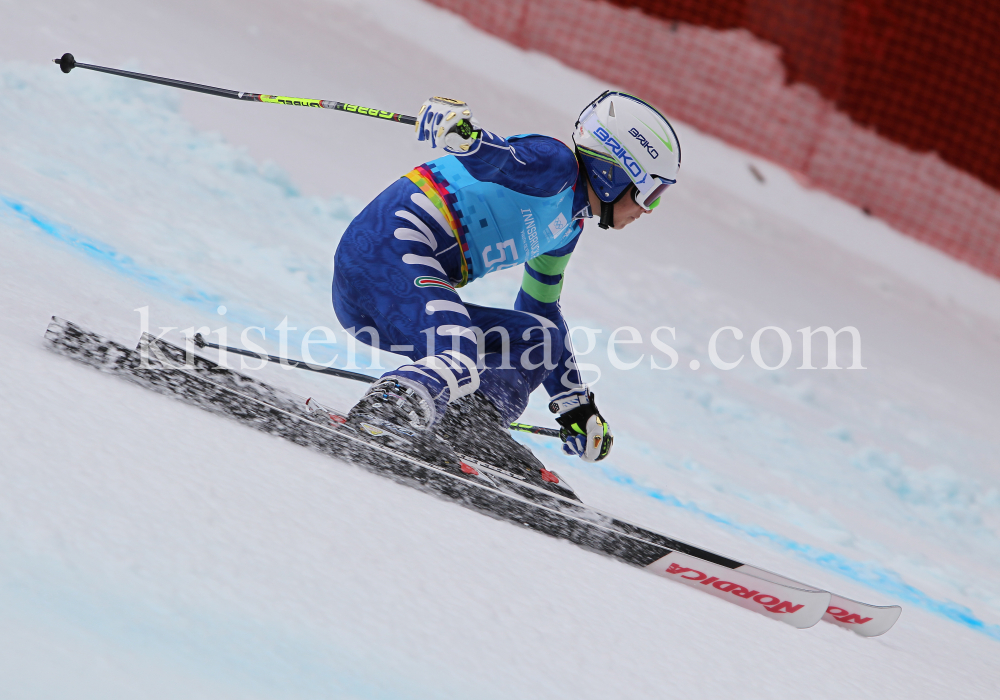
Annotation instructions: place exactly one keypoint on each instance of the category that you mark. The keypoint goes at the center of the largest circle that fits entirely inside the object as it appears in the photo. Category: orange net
(892, 105)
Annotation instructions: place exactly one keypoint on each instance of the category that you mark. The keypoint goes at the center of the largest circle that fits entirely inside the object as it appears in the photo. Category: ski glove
(448, 123)
(584, 431)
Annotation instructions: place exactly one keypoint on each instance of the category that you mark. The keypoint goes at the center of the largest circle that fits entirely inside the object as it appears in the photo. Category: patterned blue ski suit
(450, 221)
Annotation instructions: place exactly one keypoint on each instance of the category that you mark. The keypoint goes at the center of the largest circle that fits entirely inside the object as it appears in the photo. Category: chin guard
(607, 215)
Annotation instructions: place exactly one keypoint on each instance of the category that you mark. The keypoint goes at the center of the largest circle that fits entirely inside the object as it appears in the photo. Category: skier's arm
(532, 164)
(585, 433)
(537, 165)
(541, 287)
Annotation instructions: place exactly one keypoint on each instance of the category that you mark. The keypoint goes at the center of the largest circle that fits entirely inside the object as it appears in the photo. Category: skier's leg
(474, 394)
(430, 326)
(391, 274)
(514, 351)
(511, 351)
(517, 351)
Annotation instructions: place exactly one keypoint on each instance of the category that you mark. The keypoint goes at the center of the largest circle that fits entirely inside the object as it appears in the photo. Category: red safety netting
(892, 105)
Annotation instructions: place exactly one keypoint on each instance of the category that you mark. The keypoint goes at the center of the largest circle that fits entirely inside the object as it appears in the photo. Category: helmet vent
(611, 109)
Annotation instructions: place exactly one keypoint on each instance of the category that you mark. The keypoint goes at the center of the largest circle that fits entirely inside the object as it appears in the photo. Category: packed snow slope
(151, 550)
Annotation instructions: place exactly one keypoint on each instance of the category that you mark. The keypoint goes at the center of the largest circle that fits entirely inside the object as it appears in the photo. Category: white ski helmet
(623, 141)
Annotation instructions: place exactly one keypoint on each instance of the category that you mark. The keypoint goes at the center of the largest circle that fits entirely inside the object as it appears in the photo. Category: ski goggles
(651, 200)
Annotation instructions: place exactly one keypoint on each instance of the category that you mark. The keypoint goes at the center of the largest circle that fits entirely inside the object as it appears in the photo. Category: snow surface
(148, 549)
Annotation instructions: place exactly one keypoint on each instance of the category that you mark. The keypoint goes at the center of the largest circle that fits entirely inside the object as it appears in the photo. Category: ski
(173, 371)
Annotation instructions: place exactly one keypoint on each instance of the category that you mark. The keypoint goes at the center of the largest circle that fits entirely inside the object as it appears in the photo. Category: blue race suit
(448, 222)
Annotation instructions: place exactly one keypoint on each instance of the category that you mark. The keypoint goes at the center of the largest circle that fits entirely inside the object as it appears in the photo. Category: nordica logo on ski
(432, 282)
(771, 603)
(627, 161)
(633, 132)
(846, 617)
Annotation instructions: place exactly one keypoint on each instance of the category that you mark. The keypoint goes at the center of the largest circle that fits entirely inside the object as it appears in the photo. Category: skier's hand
(448, 123)
(584, 432)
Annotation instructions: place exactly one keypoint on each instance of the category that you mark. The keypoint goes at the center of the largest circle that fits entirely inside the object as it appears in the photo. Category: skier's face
(627, 211)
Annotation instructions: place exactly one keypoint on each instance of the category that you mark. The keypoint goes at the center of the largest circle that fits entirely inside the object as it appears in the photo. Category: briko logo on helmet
(633, 132)
(623, 156)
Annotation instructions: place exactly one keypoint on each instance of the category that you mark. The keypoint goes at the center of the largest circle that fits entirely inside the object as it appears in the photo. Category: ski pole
(68, 63)
(200, 341)
(536, 429)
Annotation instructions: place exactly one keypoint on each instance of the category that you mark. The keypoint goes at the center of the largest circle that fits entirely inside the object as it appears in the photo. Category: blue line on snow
(176, 286)
(173, 285)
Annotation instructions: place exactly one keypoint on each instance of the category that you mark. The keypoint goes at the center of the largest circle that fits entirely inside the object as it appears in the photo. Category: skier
(488, 205)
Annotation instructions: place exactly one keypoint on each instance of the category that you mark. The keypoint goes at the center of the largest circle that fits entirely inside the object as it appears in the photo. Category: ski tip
(66, 62)
(861, 618)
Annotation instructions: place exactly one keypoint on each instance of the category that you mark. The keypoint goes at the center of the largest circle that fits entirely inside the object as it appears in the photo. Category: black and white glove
(448, 123)
(584, 431)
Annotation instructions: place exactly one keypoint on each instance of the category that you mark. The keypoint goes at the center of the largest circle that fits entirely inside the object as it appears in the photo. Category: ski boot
(474, 428)
(395, 415)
